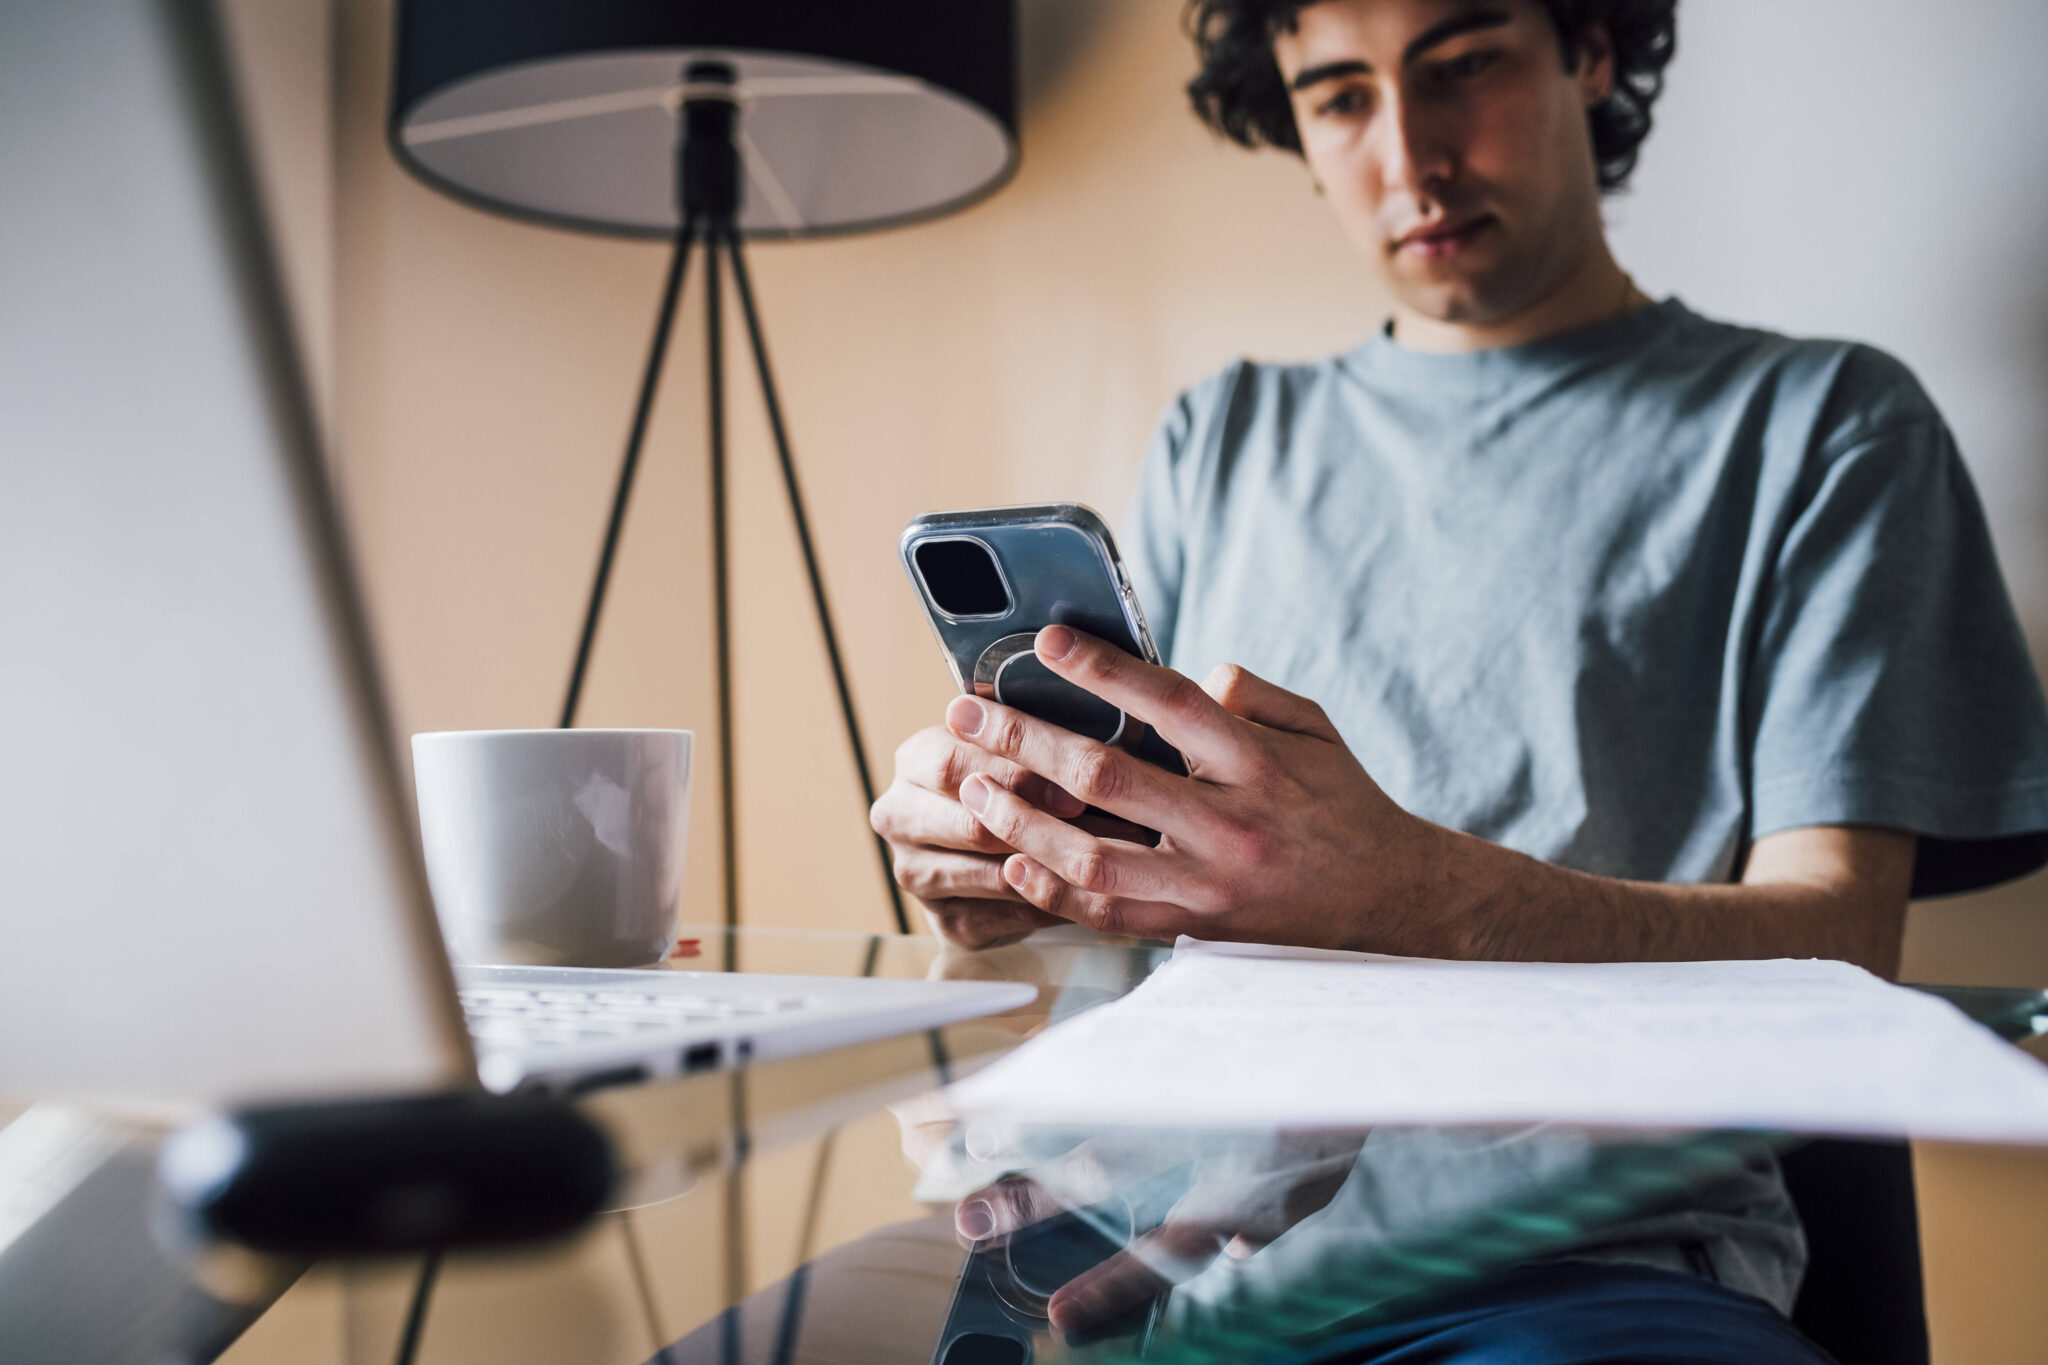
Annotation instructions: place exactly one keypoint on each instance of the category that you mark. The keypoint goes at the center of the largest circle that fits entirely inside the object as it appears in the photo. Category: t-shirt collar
(1383, 356)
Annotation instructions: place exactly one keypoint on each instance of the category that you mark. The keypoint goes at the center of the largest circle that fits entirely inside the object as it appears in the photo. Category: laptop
(210, 882)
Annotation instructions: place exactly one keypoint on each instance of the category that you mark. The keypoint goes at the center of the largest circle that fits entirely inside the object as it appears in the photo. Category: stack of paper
(1239, 1035)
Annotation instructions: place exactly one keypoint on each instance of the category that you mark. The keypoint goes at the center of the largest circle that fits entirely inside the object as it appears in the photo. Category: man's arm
(1827, 891)
(1279, 835)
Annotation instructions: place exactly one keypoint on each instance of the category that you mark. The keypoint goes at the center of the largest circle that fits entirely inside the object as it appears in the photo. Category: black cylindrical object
(711, 156)
(377, 1177)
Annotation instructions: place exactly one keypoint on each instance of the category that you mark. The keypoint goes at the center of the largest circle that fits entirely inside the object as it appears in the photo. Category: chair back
(1862, 1299)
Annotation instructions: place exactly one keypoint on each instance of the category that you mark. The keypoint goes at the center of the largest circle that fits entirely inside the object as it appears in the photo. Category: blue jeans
(1578, 1313)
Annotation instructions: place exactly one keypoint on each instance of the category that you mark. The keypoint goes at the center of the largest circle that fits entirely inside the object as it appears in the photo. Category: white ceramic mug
(558, 847)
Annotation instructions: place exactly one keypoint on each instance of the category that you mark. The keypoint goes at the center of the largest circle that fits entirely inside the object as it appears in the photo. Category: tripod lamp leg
(744, 288)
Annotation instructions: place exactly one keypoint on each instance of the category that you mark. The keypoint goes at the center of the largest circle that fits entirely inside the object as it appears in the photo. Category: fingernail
(1056, 643)
(1064, 802)
(974, 793)
(1013, 871)
(1073, 1311)
(976, 1218)
(964, 714)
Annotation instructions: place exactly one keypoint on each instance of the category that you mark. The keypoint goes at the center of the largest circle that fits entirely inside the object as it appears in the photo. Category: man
(1550, 624)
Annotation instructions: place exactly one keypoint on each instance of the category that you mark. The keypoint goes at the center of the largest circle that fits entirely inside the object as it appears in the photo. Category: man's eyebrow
(1468, 21)
(1328, 71)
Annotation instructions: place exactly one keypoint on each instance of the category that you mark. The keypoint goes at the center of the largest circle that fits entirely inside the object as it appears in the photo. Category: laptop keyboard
(513, 1016)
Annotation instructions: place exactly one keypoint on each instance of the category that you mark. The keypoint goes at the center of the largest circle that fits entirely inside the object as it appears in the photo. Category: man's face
(1452, 142)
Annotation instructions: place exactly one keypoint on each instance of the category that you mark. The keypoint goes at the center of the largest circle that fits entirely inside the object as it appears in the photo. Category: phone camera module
(962, 577)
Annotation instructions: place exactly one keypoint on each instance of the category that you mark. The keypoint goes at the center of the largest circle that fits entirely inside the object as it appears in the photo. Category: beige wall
(485, 371)
(1020, 350)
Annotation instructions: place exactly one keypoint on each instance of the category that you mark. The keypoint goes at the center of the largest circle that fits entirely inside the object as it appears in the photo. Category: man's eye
(1467, 65)
(1349, 101)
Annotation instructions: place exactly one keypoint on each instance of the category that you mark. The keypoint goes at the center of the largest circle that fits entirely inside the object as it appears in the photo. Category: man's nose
(1416, 158)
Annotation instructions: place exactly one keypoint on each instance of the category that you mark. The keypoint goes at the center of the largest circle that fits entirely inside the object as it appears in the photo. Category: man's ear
(1596, 64)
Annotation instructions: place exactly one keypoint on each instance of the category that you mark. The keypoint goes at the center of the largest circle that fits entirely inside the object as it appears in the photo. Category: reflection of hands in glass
(1014, 962)
(1239, 1199)
(926, 1121)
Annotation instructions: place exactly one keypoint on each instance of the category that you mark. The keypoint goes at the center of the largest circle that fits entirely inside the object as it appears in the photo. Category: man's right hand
(947, 858)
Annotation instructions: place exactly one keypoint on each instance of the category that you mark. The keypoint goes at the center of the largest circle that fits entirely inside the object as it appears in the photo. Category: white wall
(1877, 169)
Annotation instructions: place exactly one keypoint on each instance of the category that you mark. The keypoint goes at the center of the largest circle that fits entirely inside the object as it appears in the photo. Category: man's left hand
(1277, 834)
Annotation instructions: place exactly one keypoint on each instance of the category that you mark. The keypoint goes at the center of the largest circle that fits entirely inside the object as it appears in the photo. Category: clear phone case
(991, 579)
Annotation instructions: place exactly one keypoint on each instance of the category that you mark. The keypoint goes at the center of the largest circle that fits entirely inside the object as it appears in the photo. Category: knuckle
(949, 768)
(1094, 872)
(960, 921)
(915, 876)
(1105, 662)
(1013, 1201)
(1252, 853)
(1097, 777)
(887, 816)
(1184, 700)
(1103, 914)
(1006, 735)
(1045, 891)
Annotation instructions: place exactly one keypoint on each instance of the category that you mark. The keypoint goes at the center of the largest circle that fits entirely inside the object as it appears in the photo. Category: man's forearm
(1842, 897)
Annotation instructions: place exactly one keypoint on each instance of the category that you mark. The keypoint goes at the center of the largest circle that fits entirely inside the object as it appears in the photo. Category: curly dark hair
(1239, 93)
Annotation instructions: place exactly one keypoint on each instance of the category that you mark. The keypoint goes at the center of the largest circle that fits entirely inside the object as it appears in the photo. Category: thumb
(1249, 697)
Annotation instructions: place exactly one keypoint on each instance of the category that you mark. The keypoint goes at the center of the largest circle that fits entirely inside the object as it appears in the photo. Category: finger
(1005, 1207)
(1247, 696)
(920, 817)
(934, 875)
(978, 924)
(1117, 915)
(1142, 1272)
(1049, 797)
(1104, 867)
(1094, 773)
(1186, 716)
(1072, 1180)
(939, 761)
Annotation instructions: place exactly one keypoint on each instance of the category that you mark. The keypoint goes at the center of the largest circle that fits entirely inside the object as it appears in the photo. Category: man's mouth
(1441, 240)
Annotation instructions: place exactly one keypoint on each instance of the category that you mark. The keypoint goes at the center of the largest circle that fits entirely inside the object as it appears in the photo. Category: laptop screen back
(208, 886)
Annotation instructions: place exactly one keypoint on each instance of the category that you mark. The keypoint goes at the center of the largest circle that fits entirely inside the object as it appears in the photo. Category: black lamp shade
(855, 114)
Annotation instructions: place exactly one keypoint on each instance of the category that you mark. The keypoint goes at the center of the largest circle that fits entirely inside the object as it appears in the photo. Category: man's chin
(1467, 299)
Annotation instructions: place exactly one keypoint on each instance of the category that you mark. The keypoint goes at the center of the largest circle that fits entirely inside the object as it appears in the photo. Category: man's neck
(1598, 290)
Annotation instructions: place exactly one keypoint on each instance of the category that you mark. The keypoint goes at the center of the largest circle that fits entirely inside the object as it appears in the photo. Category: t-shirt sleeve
(1151, 540)
(1889, 683)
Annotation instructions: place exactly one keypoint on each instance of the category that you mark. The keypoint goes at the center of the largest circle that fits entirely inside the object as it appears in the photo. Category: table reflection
(833, 1208)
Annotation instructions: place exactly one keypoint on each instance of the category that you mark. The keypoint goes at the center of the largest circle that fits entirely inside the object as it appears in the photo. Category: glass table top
(830, 1207)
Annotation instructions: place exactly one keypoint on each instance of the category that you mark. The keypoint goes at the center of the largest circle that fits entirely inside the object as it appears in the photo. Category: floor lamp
(710, 123)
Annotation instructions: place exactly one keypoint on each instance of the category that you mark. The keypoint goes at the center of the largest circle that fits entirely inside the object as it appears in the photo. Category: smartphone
(998, 1314)
(990, 580)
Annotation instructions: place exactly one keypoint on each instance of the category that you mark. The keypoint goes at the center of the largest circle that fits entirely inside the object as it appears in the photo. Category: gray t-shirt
(1625, 599)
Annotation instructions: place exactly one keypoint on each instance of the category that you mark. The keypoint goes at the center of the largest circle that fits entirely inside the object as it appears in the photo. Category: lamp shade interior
(576, 122)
